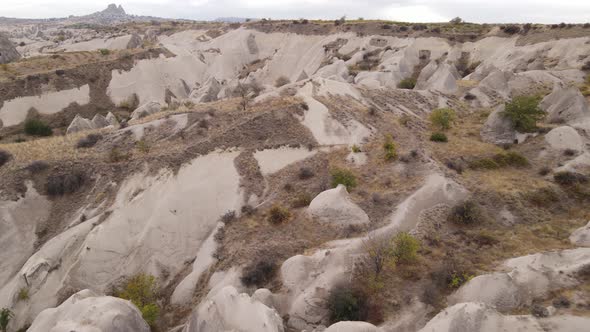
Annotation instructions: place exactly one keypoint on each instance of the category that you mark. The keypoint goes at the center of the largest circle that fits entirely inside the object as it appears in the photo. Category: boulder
(135, 41)
(112, 120)
(581, 236)
(334, 206)
(565, 138)
(87, 312)
(565, 105)
(352, 327)
(443, 79)
(208, 92)
(498, 129)
(146, 109)
(8, 52)
(227, 310)
(99, 121)
(79, 124)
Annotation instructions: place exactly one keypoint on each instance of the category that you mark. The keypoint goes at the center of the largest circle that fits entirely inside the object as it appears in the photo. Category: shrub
(390, 149)
(305, 173)
(524, 112)
(356, 149)
(142, 290)
(5, 317)
(569, 152)
(407, 83)
(344, 177)
(439, 137)
(23, 294)
(500, 160)
(465, 213)
(89, 141)
(142, 146)
(62, 184)
(302, 200)
(259, 273)
(405, 248)
(456, 20)
(567, 178)
(278, 214)
(116, 155)
(228, 217)
(346, 305)
(282, 81)
(442, 118)
(35, 127)
(511, 29)
(37, 166)
(104, 51)
(458, 279)
(4, 157)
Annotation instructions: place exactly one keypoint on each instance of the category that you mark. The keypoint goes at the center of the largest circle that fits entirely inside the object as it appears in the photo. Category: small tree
(442, 118)
(390, 148)
(405, 248)
(343, 176)
(524, 112)
(380, 254)
(246, 92)
(457, 20)
(35, 127)
(5, 317)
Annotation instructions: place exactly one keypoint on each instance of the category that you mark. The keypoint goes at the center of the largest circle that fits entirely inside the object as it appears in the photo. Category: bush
(407, 83)
(5, 317)
(356, 149)
(89, 141)
(282, 81)
(442, 118)
(228, 217)
(346, 305)
(500, 160)
(37, 166)
(142, 290)
(439, 137)
(302, 200)
(524, 112)
(35, 127)
(104, 51)
(390, 149)
(116, 155)
(344, 177)
(465, 213)
(456, 20)
(511, 29)
(305, 173)
(143, 146)
(567, 178)
(4, 157)
(259, 273)
(405, 248)
(278, 214)
(62, 184)
(23, 294)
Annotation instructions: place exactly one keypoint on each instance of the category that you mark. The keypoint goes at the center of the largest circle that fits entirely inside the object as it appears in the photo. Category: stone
(335, 207)
(565, 138)
(581, 236)
(112, 119)
(146, 109)
(498, 129)
(8, 52)
(565, 105)
(79, 124)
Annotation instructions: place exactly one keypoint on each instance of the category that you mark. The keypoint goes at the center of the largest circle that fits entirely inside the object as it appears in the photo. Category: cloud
(498, 11)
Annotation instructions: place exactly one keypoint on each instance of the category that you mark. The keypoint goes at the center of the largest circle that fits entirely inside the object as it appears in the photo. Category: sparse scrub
(5, 316)
(259, 273)
(345, 304)
(511, 29)
(37, 166)
(35, 127)
(356, 149)
(405, 248)
(104, 51)
(380, 255)
(89, 141)
(407, 83)
(500, 160)
(23, 294)
(228, 217)
(302, 200)
(63, 184)
(4, 157)
(458, 279)
(390, 148)
(442, 118)
(278, 214)
(524, 112)
(543, 197)
(143, 146)
(281, 81)
(116, 155)
(466, 213)
(567, 178)
(142, 290)
(439, 137)
(344, 177)
(305, 173)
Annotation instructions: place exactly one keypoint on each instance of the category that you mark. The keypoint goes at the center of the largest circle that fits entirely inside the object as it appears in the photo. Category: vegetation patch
(500, 160)
(259, 273)
(89, 141)
(35, 127)
(4, 157)
(439, 137)
(407, 83)
(390, 148)
(5, 316)
(278, 214)
(344, 177)
(405, 248)
(62, 184)
(442, 118)
(466, 213)
(346, 304)
(142, 291)
(524, 112)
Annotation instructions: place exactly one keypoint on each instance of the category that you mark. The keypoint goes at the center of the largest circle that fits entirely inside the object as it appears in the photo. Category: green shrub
(259, 273)
(407, 83)
(390, 149)
(35, 127)
(524, 112)
(142, 290)
(143, 146)
(442, 118)
(567, 178)
(439, 137)
(458, 279)
(282, 80)
(465, 213)
(356, 149)
(116, 155)
(62, 184)
(500, 160)
(344, 177)
(302, 200)
(346, 305)
(278, 214)
(4, 157)
(23, 294)
(89, 141)
(5, 317)
(104, 51)
(405, 248)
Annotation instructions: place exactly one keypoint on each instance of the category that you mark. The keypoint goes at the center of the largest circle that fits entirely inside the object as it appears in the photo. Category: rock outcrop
(146, 109)
(85, 311)
(98, 121)
(207, 92)
(135, 41)
(352, 327)
(565, 138)
(334, 206)
(565, 105)
(581, 236)
(227, 310)
(8, 52)
(498, 129)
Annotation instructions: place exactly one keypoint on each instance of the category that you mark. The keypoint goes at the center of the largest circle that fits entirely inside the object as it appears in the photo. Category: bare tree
(246, 92)
(379, 252)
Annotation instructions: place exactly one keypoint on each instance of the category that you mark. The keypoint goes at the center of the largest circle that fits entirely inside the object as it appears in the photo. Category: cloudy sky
(482, 11)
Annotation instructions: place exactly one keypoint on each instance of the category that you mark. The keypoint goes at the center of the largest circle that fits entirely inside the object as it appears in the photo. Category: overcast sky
(481, 11)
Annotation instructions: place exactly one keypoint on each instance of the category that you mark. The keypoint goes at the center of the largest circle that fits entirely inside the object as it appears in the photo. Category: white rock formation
(581, 236)
(352, 327)
(146, 109)
(529, 277)
(565, 105)
(565, 138)
(229, 311)
(334, 206)
(498, 129)
(85, 311)
(112, 120)
(99, 121)
(79, 123)
(8, 52)
(208, 92)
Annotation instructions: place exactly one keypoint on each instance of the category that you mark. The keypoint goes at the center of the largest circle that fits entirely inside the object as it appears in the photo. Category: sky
(478, 11)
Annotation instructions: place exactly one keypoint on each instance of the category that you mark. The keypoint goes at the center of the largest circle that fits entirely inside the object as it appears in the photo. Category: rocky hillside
(296, 176)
